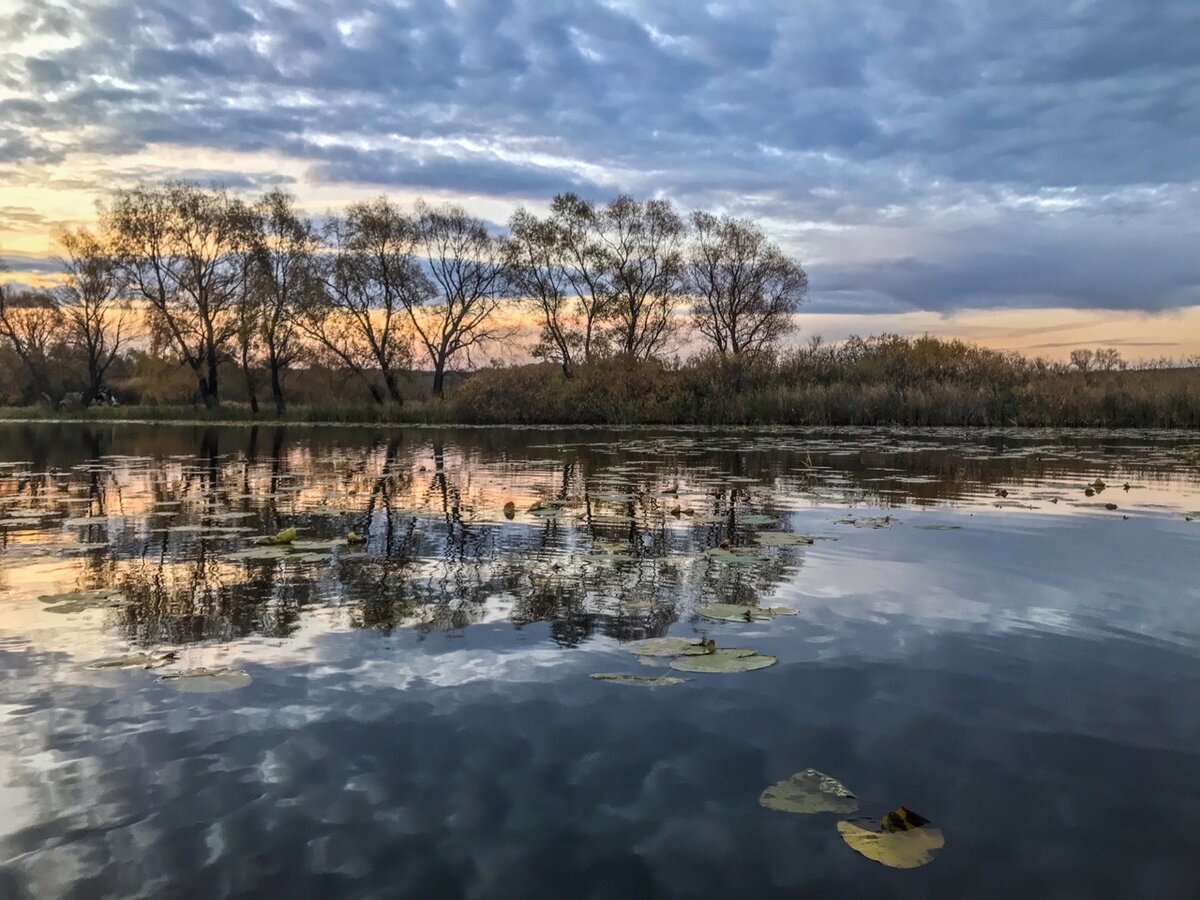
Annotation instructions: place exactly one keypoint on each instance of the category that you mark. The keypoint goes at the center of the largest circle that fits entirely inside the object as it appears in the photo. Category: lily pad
(81, 601)
(258, 553)
(316, 546)
(737, 555)
(207, 681)
(642, 680)
(737, 659)
(901, 840)
(283, 537)
(666, 646)
(136, 661)
(85, 521)
(759, 520)
(781, 538)
(809, 791)
(733, 612)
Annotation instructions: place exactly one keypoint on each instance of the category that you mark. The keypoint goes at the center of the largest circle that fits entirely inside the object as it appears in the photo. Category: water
(420, 720)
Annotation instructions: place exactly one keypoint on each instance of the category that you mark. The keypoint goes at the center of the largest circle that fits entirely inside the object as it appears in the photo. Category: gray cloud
(1019, 153)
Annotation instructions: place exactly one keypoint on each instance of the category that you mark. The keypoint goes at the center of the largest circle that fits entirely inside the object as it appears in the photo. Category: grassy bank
(792, 392)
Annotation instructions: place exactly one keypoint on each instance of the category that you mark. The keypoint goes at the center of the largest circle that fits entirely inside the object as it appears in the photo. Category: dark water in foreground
(420, 721)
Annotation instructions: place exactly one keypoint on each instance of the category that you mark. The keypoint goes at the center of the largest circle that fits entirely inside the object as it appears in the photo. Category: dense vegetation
(191, 297)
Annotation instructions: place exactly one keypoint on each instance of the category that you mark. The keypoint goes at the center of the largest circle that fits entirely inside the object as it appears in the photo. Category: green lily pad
(759, 520)
(81, 601)
(666, 646)
(733, 612)
(283, 537)
(207, 681)
(809, 791)
(642, 680)
(737, 659)
(781, 539)
(901, 840)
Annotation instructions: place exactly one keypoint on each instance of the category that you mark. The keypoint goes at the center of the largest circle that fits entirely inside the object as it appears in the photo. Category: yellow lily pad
(901, 840)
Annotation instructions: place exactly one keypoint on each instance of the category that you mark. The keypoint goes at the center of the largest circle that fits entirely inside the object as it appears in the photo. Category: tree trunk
(439, 378)
(205, 391)
(277, 388)
(213, 398)
(251, 387)
(389, 380)
(94, 384)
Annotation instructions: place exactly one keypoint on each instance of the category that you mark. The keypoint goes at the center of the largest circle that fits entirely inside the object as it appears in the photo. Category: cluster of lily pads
(901, 839)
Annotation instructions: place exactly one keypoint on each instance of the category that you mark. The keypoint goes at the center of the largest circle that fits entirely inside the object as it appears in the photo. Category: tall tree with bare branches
(285, 281)
(94, 305)
(467, 270)
(181, 248)
(578, 225)
(371, 278)
(744, 288)
(32, 325)
(642, 252)
(533, 255)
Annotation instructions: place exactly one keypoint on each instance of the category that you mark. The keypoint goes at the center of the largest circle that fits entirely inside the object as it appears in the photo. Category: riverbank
(608, 393)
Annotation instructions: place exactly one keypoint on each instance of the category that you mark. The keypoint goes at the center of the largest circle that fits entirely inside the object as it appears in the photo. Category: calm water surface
(417, 716)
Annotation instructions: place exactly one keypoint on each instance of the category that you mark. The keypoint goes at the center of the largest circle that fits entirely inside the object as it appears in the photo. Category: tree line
(209, 280)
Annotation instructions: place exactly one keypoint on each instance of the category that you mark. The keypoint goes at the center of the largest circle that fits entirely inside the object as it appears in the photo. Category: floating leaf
(666, 646)
(759, 519)
(809, 791)
(643, 680)
(283, 537)
(738, 555)
(867, 521)
(902, 839)
(315, 546)
(85, 521)
(737, 659)
(733, 612)
(258, 553)
(135, 661)
(781, 538)
(81, 601)
(207, 681)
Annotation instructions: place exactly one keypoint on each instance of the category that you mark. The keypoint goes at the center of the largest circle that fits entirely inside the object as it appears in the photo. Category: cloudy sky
(1022, 173)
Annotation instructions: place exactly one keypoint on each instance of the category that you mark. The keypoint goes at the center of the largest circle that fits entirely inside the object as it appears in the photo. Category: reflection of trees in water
(177, 601)
(637, 512)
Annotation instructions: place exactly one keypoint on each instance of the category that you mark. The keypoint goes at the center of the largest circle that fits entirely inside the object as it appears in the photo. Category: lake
(996, 630)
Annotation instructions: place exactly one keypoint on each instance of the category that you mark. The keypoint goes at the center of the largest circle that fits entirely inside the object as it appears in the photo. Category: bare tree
(642, 246)
(285, 281)
(745, 289)
(32, 324)
(94, 304)
(371, 278)
(180, 247)
(1107, 359)
(534, 259)
(1082, 359)
(468, 273)
(578, 226)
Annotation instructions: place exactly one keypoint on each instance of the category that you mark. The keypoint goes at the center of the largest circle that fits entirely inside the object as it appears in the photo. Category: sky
(1022, 174)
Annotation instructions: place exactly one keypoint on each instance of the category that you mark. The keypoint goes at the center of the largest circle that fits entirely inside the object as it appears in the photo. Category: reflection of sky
(1018, 675)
